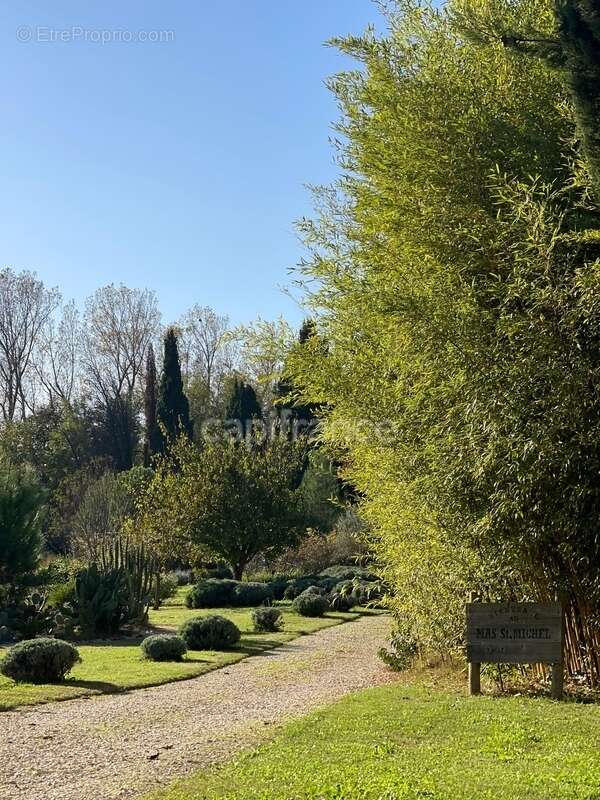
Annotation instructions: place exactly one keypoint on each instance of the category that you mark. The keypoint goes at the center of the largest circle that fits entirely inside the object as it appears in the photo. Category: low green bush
(163, 647)
(251, 594)
(221, 571)
(209, 633)
(168, 586)
(219, 592)
(343, 572)
(211, 593)
(311, 604)
(278, 584)
(183, 576)
(267, 619)
(39, 661)
(315, 589)
(341, 602)
(296, 586)
(61, 593)
(361, 592)
(401, 652)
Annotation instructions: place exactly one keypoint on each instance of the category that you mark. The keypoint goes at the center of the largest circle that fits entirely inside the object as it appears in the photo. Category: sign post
(515, 633)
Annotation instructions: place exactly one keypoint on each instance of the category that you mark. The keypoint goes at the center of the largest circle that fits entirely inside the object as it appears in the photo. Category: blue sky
(177, 165)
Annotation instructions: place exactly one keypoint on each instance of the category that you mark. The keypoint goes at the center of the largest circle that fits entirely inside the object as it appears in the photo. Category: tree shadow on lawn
(102, 687)
(255, 646)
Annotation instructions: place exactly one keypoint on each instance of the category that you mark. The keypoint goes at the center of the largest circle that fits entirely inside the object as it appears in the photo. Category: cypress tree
(152, 440)
(172, 410)
(286, 392)
(242, 403)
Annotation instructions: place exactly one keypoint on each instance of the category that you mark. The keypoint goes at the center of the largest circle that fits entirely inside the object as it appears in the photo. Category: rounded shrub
(220, 571)
(310, 604)
(315, 589)
(296, 586)
(61, 593)
(163, 647)
(169, 584)
(341, 602)
(39, 661)
(341, 572)
(251, 594)
(211, 593)
(267, 619)
(209, 633)
(278, 585)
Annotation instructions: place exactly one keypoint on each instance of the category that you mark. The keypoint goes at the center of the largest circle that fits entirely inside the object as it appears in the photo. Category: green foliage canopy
(21, 502)
(225, 500)
(457, 287)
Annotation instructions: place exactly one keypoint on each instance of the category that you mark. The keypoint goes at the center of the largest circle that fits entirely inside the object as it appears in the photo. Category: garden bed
(117, 666)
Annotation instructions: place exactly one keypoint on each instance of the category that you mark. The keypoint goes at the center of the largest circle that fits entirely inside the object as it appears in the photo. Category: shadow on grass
(94, 686)
(252, 646)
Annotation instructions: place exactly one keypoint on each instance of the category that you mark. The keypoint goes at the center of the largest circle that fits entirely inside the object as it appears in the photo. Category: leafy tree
(104, 507)
(115, 431)
(59, 444)
(173, 412)
(263, 347)
(21, 502)
(225, 501)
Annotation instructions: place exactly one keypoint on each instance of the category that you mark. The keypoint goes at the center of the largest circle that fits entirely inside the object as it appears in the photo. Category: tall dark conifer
(173, 410)
(242, 403)
(152, 439)
(302, 415)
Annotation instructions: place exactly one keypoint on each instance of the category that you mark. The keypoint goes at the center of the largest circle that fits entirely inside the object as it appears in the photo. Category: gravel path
(119, 746)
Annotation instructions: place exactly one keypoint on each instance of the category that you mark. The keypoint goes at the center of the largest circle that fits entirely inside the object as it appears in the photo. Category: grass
(116, 665)
(414, 741)
(173, 613)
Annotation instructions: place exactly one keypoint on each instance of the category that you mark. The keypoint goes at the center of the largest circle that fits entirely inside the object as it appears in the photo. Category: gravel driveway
(118, 746)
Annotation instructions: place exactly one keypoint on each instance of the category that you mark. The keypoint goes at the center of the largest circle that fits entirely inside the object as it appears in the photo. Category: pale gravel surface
(121, 746)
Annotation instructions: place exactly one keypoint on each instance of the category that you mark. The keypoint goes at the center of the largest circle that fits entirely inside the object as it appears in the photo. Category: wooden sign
(515, 633)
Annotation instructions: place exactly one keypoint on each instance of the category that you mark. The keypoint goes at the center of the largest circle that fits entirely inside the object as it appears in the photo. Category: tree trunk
(157, 592)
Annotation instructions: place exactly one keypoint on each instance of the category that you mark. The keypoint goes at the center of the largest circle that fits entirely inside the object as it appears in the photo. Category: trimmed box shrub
(311, 604)
(163, 647)
(211, 593)
(341, 602)
(252, 594)
(40, 660)
(341, 572)
(296, 586)
(209, 633)
(267, 619)
(278, 585)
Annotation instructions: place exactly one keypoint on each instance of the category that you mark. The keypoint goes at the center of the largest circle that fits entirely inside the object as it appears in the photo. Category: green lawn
(117, 666)
(174, 612)
(409, 742)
